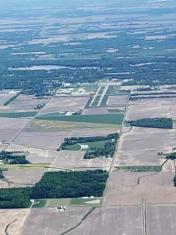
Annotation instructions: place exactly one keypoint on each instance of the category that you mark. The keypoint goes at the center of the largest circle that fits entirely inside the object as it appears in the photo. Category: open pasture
(149, 108)
(140, 146)
(49, 125)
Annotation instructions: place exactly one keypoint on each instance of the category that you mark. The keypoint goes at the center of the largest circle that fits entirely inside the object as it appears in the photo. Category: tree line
(165, 123)
(61, 184)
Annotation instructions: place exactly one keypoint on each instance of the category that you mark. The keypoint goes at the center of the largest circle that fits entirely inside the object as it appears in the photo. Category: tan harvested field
(117, 101)
(97, 110)
(11, 127)
(65, 103)
(51, 222)
(112, 221)
(24, 103)
(140, 146)
(161, 219)
(15, 218)
(35, 155)
(4, 98)
(41, 140)
(75, 160)
(149, 108)
(20, 177)
(137, 188)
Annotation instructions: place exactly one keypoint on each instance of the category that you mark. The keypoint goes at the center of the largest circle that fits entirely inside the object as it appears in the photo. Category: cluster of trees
(71, 184)
(1, 174)
(107, 150)
(60, 184)
(171, 156)
(83, 140)
(13, 157)
(165, 123)
(15, 197)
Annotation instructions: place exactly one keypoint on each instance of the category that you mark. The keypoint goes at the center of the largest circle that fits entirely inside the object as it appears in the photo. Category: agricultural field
(141, 146)
(150, 108)
(62, 104)
(24, 103)
(12, 221)
(10, 128)
(83, 68)
(74, 160)
(126, 188)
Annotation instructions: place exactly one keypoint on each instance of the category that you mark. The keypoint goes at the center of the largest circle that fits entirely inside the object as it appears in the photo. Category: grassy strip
(140, 168)
(96, 144)
(115, 119)
(17, 114)
(56, 202)
(11, 99)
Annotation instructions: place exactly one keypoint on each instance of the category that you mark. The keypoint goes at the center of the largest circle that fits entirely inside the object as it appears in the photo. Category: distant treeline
(13, 157)
(165, 123)
(136, 97)
(59, 184)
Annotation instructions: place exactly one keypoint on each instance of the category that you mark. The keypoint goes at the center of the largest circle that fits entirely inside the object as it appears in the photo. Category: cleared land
(113, 221)
(15, 219)
(34, 155)
(117, 101)
(74, 160)
(138, 188)
(9, 128)
(23, 176)
(41, 140)
(24, 103)
(96, 110)
(50, 221)
(149, 108)
(65, 104)
(140, 146)
(161, 219)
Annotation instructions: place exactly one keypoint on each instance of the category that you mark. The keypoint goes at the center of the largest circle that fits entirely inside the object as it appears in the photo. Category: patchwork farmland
(87, 117)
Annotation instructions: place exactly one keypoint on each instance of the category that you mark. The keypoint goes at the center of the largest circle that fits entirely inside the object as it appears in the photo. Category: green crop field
(140, 168)
(17, 114)
(115, 119)
(96, 144)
